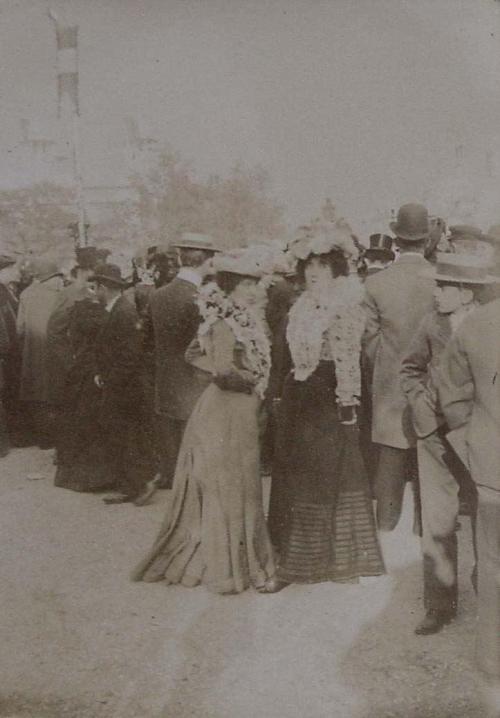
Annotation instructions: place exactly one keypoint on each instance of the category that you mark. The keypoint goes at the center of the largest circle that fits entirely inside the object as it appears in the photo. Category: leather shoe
(119, 499)
(144, 498)
(433, 622)
(272, 585)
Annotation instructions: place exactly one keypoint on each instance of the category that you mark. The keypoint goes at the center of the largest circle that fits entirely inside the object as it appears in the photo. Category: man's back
(396, 301)
(175, 319)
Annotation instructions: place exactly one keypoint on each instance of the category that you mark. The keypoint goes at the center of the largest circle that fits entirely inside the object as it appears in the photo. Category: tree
(36, 219)
(236, 210)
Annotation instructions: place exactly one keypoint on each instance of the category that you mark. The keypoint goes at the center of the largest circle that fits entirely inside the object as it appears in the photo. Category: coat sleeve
(21, 317)
(416, 383)
(4, 338)
(371, 334)
(127, 345)
(455, 383)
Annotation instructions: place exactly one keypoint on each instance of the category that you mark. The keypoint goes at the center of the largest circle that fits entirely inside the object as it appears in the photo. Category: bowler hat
(193, 240)
(460, 269)
(6, 261)
(412, 223)
(109, 275)
(45, 269)
(380, 247)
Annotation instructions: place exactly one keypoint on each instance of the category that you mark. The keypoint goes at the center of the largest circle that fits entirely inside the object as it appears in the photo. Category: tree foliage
(35, 219)
(237, 210)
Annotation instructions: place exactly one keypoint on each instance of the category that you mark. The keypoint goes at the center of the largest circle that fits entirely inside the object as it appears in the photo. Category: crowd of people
(345, 372)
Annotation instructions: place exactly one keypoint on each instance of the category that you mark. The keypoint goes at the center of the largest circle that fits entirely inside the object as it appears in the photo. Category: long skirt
(321, 516)
(214, 531)
(82, 461)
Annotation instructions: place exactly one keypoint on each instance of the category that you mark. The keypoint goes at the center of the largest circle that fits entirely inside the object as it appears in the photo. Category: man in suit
(175, 320)
(469, 393)
(459, 278)
(9, 353)
(395, 302)
(119, 357)
(36, 305)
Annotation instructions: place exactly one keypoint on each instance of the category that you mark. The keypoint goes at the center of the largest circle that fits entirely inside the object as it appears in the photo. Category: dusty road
(79, 639)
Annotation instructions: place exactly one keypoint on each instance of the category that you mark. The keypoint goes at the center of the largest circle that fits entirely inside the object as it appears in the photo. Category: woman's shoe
(272, 585)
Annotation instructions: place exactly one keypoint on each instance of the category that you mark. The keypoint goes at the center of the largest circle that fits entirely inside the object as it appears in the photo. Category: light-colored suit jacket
(469, 391)
(396, 301)
(418, 372)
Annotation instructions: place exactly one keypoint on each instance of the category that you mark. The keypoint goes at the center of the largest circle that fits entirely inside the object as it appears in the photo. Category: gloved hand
(232, 381)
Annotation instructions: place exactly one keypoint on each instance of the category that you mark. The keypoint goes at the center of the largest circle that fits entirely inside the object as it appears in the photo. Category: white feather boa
(337, 318)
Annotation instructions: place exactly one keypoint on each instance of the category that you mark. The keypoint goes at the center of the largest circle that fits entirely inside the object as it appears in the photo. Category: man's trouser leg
(439, 501)
(488, 547)
(390, 481)
(170, 437)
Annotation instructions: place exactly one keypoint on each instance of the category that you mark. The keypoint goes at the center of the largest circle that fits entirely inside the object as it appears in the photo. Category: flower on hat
(321, 237)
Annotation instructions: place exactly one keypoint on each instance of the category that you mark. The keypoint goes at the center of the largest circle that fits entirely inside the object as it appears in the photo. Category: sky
(370, 103)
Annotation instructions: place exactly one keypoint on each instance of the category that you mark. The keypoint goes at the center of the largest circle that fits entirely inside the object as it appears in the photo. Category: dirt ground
(79, 639)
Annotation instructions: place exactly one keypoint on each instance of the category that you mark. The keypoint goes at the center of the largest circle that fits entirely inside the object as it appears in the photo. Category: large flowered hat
(322, 236)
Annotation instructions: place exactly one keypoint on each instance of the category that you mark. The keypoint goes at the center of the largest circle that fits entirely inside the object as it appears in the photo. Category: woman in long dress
(214, 531)
(321, 516)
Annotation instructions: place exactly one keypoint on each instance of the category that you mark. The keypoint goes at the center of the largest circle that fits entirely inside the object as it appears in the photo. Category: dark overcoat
(175, 319)
(119, 356)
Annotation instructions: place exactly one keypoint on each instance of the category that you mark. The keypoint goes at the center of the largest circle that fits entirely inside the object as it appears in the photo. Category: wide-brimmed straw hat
(461, 269)
(7, 260)
(412, 223)
(45, 269)
(193, 240)
(238, 261)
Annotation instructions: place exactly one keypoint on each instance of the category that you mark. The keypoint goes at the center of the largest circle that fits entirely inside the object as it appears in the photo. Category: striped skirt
(321, 517)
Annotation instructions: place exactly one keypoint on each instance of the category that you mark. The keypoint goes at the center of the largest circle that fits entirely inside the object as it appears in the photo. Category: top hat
(6, 261)
(380, 247)
(412, 223)
(192, 240)
(109, 275)
(461, 269)
(45, 269)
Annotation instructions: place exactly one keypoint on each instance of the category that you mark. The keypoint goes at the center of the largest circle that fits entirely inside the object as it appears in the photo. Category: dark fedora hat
(412, 223)
(380, 247)
(109, 275)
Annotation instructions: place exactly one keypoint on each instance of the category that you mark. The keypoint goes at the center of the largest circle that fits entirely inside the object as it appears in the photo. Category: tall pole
(69, 108)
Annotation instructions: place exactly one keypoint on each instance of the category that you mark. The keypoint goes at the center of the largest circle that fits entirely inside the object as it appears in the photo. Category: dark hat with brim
(412, 223)
(109, 275)
(460, 269)
(193, 240)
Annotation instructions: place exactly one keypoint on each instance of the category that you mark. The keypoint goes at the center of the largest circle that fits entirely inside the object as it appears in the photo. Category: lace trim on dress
(337, 318)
